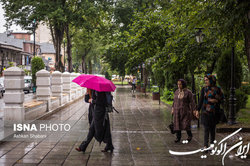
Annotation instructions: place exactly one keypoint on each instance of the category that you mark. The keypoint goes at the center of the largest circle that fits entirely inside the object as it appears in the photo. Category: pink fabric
(95, 82)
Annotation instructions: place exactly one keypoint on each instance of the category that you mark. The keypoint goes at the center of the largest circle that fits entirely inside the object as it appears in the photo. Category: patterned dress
(208, 108)
(183, 106)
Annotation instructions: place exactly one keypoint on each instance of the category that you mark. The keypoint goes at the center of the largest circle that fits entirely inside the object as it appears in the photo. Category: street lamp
(144, 79)
(64, 53)
(199, 38)
(38, 52)
(149, 63)
(34, 26)
(232, 98)
(139, 69)
(199, 35)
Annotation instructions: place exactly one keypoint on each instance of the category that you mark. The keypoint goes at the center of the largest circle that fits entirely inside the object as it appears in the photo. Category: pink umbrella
(95, 82)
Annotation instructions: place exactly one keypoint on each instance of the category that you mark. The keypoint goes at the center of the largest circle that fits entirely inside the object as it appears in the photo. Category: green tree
(224, 77)
(36, 65)
(58, 15)
(230, 18)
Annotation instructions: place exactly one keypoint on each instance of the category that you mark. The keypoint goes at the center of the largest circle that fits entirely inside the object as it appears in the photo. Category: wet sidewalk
(139, 132)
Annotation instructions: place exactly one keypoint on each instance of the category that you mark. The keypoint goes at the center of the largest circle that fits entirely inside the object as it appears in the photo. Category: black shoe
(106, 149)
(189, 139)
(177, 140)
(206, 150)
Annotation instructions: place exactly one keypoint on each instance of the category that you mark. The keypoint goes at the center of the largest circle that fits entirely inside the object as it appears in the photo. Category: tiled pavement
(140, 137)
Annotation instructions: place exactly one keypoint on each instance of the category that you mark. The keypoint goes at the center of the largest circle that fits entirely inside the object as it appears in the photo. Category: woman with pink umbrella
(100, 124)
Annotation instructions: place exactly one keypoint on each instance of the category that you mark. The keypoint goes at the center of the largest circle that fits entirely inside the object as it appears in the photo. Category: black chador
(100, 124)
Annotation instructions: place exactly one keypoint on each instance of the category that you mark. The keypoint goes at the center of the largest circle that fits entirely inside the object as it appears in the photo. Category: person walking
(182, 110)
(100, 124)
(133, 84)
(211, 98)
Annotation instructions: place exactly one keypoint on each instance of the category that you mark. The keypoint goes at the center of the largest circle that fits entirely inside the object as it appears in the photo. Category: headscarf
(183, 82)
(184, 85)
(212, 79)
(90, 93)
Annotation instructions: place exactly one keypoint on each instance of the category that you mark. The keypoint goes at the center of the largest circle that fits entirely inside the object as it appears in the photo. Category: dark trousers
(89, 137)
(178, 134)
(209, 130)
(133, 87)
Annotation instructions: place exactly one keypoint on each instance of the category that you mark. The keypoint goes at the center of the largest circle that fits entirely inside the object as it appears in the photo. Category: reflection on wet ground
(139, 132)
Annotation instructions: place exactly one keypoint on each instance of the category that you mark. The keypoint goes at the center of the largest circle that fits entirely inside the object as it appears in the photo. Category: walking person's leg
(109, 145)
(212, 134)
(178, 136)
(206, 136)
(88, 139)
(133, 87)
(190, 135)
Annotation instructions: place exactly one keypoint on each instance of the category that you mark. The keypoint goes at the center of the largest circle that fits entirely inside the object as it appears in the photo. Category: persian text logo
(221, 149)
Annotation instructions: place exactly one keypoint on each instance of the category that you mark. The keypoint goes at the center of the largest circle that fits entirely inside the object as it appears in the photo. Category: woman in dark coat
(211, 98)
(100, 125)
(182, 109)
(88, 99)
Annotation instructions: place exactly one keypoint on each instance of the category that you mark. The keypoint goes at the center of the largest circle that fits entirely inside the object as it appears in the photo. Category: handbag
(223, 117)
(220, 116)
(171, 126)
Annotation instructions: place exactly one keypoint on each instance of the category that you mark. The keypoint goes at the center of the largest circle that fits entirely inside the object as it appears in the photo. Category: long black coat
(91, 108)
(100, 117)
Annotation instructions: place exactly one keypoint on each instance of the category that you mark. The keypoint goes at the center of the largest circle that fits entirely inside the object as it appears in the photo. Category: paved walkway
(140, 137)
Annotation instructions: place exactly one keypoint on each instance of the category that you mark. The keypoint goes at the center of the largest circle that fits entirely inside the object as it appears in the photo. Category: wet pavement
(139, 132)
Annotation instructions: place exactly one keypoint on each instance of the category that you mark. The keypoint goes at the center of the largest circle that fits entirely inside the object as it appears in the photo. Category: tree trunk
(86, 51)
(145, 77)
(1, 72)
(210, 69)
(57, 36)
(90, 67)
(247, 38)
(69, 49)
(84, 65)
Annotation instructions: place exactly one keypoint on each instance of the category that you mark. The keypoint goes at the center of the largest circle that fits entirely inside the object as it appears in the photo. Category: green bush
(168, 95)
(36, 65)
(158, 76)
(241, 97)
(138, 82)
(11, 64)
(241, 100)
(224, 71)
(245, 88)
(154, 89)
(224, 77)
